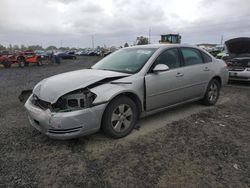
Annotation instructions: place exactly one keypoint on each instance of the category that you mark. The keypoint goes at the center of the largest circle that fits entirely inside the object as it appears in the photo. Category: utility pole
(149, 35)
(93, 43)
(221, 39)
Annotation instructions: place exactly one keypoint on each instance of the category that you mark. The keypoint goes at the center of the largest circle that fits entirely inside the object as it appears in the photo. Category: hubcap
(213, 92)
(121, 118)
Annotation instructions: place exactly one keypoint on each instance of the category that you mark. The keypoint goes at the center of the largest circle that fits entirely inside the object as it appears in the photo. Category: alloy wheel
(213, 92)
(122, 118)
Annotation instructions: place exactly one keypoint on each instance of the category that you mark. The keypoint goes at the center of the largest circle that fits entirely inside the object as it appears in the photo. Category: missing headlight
(76, 100)
(73, 102)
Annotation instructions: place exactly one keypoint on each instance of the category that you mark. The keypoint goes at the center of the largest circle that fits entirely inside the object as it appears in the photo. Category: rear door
(197, 72)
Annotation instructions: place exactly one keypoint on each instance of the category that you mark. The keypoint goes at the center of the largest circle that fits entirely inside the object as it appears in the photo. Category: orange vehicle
(6, 58)
(27, 57)
(23, 59)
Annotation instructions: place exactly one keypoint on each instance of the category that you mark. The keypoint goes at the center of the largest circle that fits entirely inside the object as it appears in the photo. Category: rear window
(206, 58)
(191, 56)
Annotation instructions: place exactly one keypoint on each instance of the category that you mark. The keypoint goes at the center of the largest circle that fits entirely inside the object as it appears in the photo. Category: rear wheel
(120, 117)
(21, 62)
(212, 93)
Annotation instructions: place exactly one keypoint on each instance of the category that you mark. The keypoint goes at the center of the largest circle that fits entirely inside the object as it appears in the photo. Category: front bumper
(239, 75)
(65, 125)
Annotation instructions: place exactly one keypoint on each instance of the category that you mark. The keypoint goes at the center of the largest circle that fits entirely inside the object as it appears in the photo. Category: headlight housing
(75, 100)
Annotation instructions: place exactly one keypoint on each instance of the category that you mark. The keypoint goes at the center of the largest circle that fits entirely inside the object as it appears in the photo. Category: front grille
(64, 131)
(40, 103)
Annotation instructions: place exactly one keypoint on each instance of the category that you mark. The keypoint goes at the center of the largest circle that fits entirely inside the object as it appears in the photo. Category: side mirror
(160, 68)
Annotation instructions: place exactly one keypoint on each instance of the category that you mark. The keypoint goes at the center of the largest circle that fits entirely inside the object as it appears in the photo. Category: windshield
(128, 60)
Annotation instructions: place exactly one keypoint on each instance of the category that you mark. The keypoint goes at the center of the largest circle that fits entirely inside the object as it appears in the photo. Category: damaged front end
(72, 115)
(71, 109)
(75, 100)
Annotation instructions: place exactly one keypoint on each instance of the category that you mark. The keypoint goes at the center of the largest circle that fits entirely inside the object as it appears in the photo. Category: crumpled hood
(238, 46)
(52, 88)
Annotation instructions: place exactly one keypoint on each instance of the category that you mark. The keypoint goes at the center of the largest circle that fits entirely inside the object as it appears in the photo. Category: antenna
(149, 35)
(93, 44)
(221, 39)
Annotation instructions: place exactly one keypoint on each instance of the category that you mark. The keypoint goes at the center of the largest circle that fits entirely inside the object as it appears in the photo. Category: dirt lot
(190, 146)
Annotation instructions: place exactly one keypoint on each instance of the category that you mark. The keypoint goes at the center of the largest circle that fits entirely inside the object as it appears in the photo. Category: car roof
(166, 46)
(157, 46)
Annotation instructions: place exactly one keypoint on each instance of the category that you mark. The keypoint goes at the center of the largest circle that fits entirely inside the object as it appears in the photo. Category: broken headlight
(75, 100)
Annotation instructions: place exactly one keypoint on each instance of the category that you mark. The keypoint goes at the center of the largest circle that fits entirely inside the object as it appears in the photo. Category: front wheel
(119, 117)
(39, 62)
(7, 64)
(212, 93)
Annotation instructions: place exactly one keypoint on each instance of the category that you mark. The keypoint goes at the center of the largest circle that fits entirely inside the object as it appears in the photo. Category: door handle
(206, 69)
(179, 74)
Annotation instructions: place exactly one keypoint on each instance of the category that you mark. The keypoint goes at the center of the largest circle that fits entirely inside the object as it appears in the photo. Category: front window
(128, 60)
(170, 58)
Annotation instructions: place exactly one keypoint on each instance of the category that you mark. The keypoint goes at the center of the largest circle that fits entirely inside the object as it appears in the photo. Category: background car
(64, 55)
(239, 58)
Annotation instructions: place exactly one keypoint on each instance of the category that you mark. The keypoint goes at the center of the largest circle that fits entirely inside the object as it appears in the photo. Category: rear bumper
(66, 125)
(239, 75)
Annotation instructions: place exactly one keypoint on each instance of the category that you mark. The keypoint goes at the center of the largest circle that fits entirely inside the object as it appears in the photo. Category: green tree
(126, 45)
(23, 47)
(10, 47)
(142, 40)
(51, 48)
(35, 47)
(2, 47)
(64, 48)
(16, 47)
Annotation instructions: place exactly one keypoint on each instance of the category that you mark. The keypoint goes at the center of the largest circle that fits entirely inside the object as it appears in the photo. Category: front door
(164, 88)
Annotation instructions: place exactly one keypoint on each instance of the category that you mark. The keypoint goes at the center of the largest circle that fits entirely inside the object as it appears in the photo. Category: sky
(75, 23)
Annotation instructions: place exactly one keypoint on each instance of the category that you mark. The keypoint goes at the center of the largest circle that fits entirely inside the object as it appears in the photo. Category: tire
(21, 62)
(39, 62)
(212, 93)
(119, 117)
(7, 64)
(26, 64)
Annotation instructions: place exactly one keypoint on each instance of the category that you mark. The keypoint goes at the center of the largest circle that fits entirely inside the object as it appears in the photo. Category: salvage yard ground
(189, 146)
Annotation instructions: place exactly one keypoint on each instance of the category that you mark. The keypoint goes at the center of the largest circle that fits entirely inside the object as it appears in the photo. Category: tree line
(139, 41)
(32, 47)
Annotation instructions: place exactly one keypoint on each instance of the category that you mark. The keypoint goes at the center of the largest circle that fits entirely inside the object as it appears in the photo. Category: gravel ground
(207, 149)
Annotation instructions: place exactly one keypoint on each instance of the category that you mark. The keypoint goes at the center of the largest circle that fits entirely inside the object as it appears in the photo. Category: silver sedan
(121, 88)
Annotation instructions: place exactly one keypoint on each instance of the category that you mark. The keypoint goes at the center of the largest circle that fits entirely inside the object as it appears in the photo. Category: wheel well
(218, 79)
(133, 97)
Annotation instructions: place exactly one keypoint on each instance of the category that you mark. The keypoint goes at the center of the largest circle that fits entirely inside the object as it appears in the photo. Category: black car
(63, 55)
